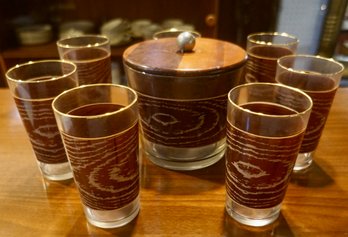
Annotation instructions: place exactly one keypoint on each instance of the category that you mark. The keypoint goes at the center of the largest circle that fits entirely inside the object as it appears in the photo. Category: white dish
(34, 34)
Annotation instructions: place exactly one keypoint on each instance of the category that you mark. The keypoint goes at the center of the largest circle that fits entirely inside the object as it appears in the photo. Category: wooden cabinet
(202, 14)
(229, 20)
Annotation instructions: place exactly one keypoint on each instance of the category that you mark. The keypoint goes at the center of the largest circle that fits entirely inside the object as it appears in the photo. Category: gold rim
(134, 101)
(294, 39)
(53, 78)
(273, 85)
(60, 43)
(339, 65)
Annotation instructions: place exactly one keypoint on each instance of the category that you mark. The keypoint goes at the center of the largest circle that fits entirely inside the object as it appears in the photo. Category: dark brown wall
(238, 18)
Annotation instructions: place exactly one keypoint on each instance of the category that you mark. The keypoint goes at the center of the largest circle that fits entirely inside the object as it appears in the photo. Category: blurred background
(30, 28)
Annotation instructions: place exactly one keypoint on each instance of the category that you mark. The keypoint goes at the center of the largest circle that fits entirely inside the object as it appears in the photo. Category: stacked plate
(117, 30)
(34, 34)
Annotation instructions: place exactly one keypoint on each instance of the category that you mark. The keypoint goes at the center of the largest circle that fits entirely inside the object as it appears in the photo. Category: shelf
(49, 51)
(22, 54)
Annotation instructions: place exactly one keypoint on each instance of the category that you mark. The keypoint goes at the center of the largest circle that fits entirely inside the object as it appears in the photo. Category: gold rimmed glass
(34, 85)
(99, 127)
(319, 77)
(91, 55)
(265, 127)
(263, 50)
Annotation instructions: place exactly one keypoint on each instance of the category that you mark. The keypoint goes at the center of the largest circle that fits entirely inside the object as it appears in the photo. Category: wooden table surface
(173, 203)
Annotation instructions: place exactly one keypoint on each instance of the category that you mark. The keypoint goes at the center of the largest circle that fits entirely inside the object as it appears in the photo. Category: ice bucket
(182, 88)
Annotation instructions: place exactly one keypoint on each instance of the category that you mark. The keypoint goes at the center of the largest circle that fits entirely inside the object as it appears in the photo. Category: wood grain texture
(173, 203)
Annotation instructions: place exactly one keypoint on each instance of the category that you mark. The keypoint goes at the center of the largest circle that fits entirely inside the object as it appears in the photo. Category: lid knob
(186, 41)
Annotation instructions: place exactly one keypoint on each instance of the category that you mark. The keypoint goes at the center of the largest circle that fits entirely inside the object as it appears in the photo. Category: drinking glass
(33, 86)
(263, 51)
(266, 123)
(319, 77)
(99, 127)
(91, 55)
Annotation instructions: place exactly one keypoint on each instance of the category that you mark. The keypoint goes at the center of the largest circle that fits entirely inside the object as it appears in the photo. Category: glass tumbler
(99, 127)
(265, 127)
(92, 56)
(34, 85)
(319, 77)
(263, 51)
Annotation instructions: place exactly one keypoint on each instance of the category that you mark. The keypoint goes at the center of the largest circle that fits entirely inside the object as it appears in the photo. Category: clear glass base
(175, 158)
(113, 218)
(252, 216)
(56, 172)
(303, 161)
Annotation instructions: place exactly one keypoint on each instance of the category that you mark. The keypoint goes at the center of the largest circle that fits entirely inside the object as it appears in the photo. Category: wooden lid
(162, 57)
